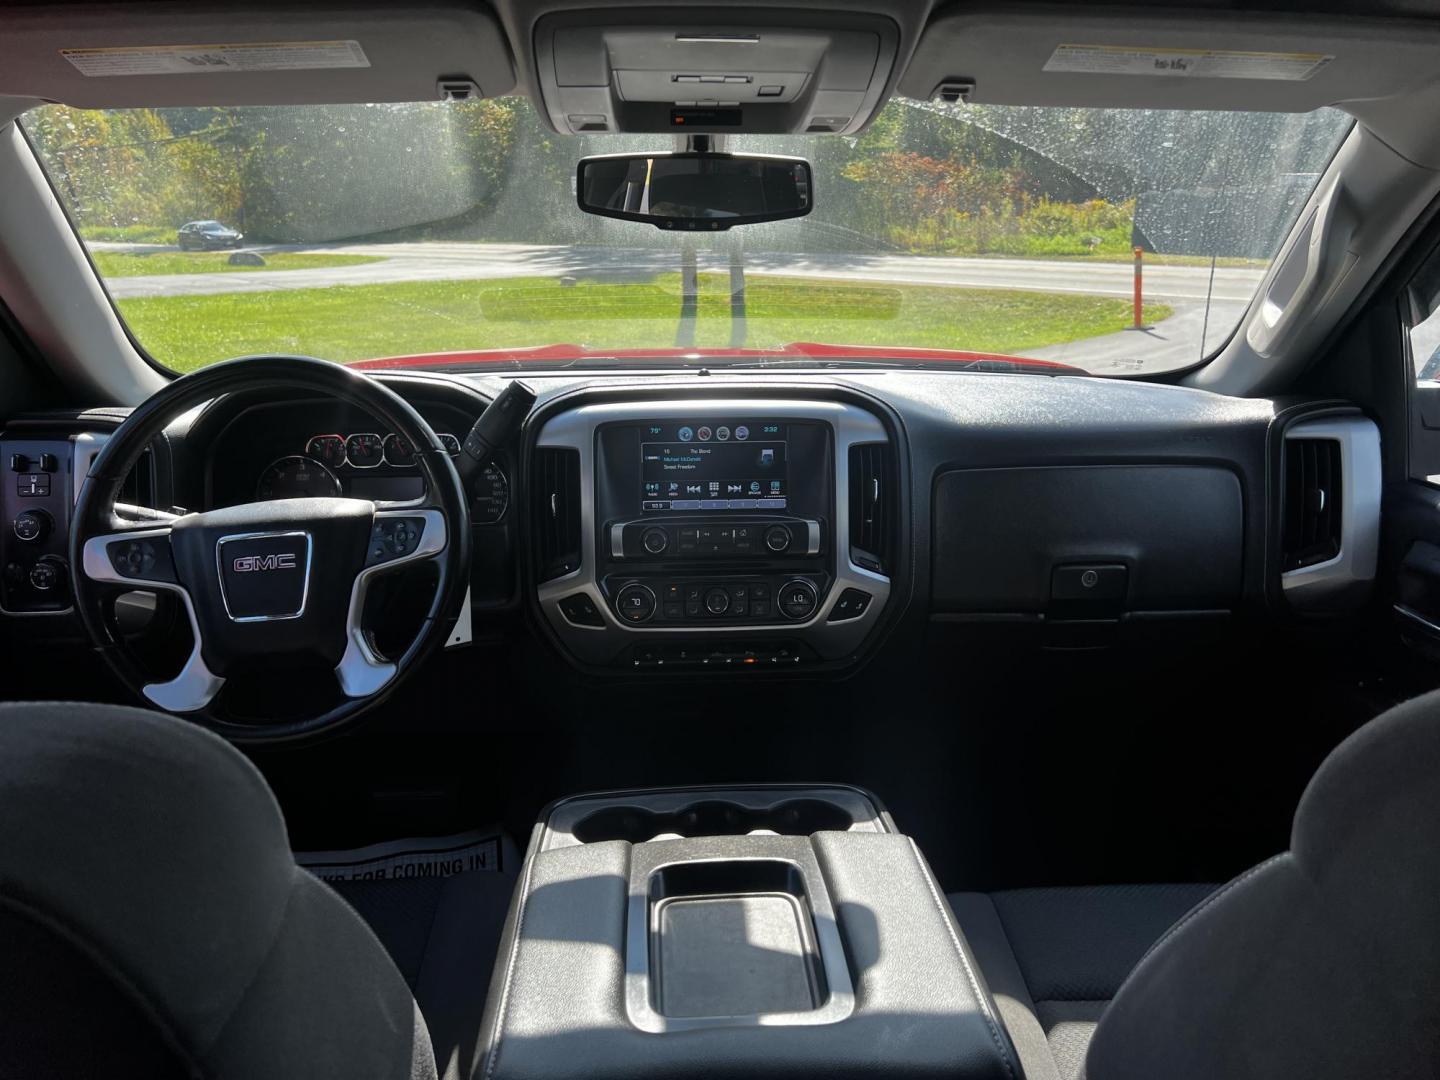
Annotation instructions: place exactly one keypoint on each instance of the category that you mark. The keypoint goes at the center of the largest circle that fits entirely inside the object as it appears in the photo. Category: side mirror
(697, 192)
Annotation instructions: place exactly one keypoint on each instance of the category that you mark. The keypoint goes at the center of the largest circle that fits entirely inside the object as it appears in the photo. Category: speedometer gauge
(296, 477)
(491, 496)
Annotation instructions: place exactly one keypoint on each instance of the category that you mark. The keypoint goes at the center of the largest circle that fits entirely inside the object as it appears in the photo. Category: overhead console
(768, 71)
(746, 532)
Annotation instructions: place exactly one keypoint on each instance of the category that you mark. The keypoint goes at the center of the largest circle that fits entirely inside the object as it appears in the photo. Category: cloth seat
(1054, 958)
(153, 922)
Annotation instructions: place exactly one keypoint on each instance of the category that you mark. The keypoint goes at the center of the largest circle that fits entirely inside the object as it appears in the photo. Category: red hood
(795, 350)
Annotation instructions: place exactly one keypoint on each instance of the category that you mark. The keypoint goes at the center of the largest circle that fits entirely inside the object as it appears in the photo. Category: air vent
(1311, 500)
(557, 511)
(139, 486)
(872, 507)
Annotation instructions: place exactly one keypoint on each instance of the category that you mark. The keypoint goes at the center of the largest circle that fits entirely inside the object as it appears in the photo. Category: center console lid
(811, 940)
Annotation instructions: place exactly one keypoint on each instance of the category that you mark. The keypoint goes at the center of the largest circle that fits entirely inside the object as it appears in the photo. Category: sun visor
(1157, 59)
(771, 72)
(137, 54)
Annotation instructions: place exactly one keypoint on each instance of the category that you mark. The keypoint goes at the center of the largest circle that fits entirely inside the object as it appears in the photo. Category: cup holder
(796, 817)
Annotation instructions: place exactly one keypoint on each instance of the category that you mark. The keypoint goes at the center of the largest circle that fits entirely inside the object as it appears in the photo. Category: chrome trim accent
(361, 671)
(812, 537)
(196, 685)
(269, 535)
(356, 434)
(1415, 617)
(1359, 439)
(617, 539)
(575, 429)
(85, 446)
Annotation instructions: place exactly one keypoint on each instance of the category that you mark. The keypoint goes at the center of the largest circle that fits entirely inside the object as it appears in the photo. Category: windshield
(1120, 242)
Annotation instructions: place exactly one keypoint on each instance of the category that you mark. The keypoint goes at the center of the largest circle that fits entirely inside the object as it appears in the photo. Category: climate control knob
(717, 601)
(32, 525)
(777, 538)
(655, 541)
(635, 603)
(798, 600)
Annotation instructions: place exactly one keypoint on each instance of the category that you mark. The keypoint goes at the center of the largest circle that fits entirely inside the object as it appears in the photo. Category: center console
(746, 533)
(753, 932)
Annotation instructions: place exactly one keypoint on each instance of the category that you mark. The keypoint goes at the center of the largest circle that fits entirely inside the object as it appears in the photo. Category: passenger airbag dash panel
(999, 535)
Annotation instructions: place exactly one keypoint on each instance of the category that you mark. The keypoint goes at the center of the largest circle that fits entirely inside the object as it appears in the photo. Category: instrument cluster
(338, 465)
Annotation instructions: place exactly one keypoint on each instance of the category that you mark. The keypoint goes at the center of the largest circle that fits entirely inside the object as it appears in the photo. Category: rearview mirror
(695, 191)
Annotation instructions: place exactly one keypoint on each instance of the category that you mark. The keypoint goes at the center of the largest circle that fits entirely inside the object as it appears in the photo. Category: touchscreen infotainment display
(714, 465)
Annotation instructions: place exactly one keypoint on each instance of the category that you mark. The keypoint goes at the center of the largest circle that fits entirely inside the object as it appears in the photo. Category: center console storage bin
(750, 955)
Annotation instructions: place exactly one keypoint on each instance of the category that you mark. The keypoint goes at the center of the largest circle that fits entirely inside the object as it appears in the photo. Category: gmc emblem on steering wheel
(250, 563)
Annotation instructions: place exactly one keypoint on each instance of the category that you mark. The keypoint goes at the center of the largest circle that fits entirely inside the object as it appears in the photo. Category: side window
(1423, 301)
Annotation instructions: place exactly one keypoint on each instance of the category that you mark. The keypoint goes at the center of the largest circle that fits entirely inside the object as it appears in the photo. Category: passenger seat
(1322, 962)
(1055, 957)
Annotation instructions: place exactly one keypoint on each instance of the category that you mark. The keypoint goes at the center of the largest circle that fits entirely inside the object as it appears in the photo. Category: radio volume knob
(777, 538)
(655, 541)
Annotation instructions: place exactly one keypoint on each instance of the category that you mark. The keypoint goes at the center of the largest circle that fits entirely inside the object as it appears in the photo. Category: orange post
(1139, 255)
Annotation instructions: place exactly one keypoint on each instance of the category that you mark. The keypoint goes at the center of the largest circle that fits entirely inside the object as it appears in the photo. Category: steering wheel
(264, 583)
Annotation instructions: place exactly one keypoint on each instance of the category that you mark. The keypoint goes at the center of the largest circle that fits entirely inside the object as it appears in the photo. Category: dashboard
(761, 524)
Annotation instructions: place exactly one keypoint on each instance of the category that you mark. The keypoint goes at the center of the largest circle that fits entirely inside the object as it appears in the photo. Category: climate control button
(635, 603)
(798, 599)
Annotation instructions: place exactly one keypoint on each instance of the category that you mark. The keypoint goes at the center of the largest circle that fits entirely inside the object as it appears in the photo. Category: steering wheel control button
(394, 538)
(264, 576)
(144, 559)
(851, 605)
(798, 600)
(777, 538)
(635, 603)
(655, 541)
(31, 526)
(580, 610)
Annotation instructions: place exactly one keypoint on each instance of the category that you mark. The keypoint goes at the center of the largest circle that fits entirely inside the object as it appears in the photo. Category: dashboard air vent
(872, 507)
(1311, 499)
(139, 486)
(557, 511)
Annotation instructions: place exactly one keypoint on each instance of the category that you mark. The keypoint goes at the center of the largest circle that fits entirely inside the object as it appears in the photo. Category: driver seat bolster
(146, 860)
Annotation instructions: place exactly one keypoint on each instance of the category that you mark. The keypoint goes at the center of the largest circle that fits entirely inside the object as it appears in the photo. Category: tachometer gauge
(491, 496)
(329, 450)
(297, 477)
(451, 443)
(398, 451)
(365, 451)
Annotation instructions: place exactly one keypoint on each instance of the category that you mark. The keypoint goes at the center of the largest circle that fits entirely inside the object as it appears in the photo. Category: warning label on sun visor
(1193, 63)
(209, 59)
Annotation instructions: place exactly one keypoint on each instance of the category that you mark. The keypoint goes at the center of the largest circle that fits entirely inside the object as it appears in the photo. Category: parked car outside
(207, 236)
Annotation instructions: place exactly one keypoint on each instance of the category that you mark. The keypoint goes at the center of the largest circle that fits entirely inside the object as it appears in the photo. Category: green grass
(119, 264)
(129, 234)
(349, 322)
